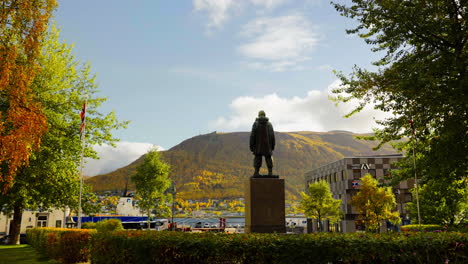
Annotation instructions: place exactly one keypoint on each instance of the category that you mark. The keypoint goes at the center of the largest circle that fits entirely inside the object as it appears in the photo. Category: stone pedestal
(264, 206)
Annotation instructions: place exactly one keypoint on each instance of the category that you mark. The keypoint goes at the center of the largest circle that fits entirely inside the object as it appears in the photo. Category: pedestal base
(265, 206)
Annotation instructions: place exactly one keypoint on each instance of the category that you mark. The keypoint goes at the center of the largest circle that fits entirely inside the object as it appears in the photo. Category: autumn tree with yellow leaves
(319, 203)
(375, 204)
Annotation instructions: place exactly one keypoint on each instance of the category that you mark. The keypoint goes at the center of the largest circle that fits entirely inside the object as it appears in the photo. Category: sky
(177, 69)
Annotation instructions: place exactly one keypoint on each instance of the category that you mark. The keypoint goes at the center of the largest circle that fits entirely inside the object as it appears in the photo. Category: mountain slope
(216, 165)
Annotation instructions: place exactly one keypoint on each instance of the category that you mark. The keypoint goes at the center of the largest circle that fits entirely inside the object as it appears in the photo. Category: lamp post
(173, 192)
(398, 200)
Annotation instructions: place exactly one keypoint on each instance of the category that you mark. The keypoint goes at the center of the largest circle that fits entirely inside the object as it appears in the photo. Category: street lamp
(173, 192)
(398, 200)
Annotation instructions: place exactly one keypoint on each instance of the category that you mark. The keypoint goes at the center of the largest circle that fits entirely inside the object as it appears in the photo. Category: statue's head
(261, 113)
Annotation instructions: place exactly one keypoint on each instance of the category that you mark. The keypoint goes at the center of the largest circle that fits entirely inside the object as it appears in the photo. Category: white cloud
(278, 43)
(218, 11)
(113, 158)
(269, 4)
(325, 67)
(314, 112)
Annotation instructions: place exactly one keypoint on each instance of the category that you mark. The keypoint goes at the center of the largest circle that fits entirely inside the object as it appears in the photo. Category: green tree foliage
(442, 203)
(151, 182)
(319, 203)
(89, 202)
(51, 179)
(375, 204)
(422, 76)
(109, 225)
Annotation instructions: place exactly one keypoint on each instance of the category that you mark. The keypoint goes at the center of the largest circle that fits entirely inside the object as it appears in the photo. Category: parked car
(6, 239)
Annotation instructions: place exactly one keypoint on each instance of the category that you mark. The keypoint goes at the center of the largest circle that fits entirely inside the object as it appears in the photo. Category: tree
(22, 121)
(422, 79)
(442, 203)
(111, 203)
(51, 178)
(319, 203)
(375, 204)
(151, 182)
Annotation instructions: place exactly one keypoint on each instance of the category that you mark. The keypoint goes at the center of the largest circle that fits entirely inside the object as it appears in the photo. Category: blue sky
(177, 69)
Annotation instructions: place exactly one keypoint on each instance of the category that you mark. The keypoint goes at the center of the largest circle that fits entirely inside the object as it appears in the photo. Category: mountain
(217, 165)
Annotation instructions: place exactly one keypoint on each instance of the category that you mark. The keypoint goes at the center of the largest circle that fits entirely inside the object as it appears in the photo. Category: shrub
(66, 245)
(88, 225)
(425, 228)
(175, 247)
(462, 228)
(109, 225)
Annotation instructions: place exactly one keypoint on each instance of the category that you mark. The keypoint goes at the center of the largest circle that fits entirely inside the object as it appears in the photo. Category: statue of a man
(262, 143)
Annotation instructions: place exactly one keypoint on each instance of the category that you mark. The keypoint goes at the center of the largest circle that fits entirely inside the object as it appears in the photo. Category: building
(127, 206)
(30, 219)
(343, 177)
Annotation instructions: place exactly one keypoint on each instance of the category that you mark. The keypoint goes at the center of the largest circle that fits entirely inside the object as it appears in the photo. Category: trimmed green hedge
(88, 225)
(174, 247)
(65, 245)
(416, 228)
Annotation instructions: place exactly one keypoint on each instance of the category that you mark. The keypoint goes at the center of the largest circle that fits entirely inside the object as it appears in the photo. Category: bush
(424, 228)
(175, 247)
(88, 225)
(109, 225)
(462, 228)
(66, 245)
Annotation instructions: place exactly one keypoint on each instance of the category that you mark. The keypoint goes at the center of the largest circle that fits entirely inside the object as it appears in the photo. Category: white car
(206, 225)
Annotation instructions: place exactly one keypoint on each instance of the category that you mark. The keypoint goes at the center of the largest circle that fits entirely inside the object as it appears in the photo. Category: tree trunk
(148, 219)
(320, 223)
(15, 225)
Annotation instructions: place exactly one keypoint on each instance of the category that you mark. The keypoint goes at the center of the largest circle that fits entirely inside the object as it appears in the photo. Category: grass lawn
(21, 254)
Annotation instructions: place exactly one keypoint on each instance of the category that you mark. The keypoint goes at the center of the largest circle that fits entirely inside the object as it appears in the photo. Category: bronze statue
(262, 143)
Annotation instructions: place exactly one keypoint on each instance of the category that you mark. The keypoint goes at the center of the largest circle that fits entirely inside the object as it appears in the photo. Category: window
(356, 174)
(335, 177)
(42, 221)
(343, 175)
(371, 172)
(58, 223)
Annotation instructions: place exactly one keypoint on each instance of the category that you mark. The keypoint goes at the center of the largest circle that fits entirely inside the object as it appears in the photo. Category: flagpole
(82, 137)
(415, 175)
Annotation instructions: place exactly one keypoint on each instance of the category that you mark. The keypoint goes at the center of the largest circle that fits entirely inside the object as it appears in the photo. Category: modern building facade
(343, 177)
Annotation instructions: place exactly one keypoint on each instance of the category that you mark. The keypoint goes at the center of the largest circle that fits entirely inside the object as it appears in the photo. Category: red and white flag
(83, 119)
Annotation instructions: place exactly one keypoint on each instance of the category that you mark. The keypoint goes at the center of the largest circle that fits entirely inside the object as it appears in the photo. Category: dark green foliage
(172, 247)
(109, 225)
(443, 201)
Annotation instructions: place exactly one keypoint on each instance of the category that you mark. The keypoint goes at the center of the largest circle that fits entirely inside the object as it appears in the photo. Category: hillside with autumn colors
(217, 165)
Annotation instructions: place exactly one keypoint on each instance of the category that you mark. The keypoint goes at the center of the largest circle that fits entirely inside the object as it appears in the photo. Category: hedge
(65, 245)
(425, 228)
(175, 247)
